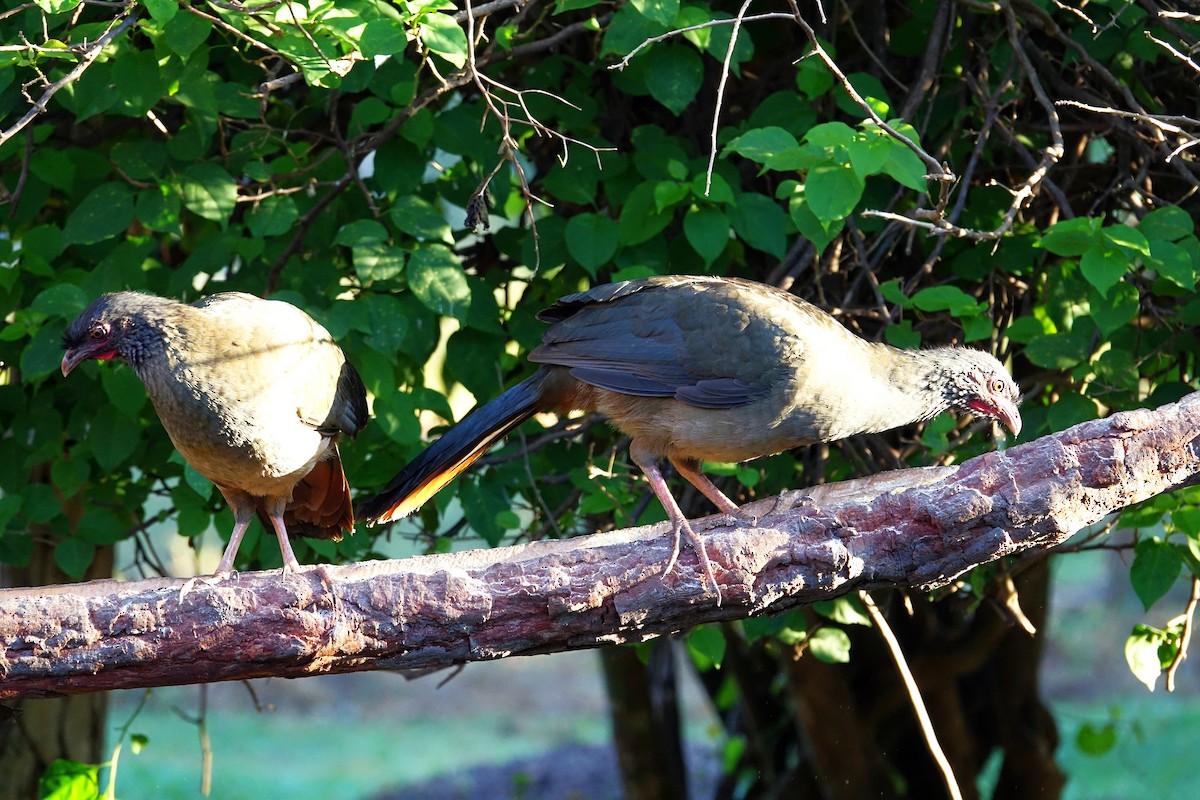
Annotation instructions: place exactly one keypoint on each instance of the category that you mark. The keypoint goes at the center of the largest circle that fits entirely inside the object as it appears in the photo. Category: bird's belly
(261, 458)
(668, 427)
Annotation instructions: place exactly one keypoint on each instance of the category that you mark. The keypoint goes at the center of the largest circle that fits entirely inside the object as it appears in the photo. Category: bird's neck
(897, 387)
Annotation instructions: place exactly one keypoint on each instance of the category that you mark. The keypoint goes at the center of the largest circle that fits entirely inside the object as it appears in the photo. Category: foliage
(423, 179)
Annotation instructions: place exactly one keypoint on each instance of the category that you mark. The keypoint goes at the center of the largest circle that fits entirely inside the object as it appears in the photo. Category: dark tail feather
(443, 460)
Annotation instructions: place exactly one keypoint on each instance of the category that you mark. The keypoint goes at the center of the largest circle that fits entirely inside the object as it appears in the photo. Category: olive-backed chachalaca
(253, 393)
(710, 369)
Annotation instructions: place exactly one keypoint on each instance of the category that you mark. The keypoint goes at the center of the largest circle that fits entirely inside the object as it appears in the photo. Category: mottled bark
(910, 528)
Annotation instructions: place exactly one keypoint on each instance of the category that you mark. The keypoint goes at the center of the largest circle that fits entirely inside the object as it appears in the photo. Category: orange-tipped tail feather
(458, 448)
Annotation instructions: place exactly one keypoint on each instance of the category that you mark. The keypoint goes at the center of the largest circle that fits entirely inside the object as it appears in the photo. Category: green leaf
(63, 300)
(1113, 313)
(43, 355)
(832, 190)
(209, 191)
(1173, 263)
(844, 610)
(668, 194)
(756, 628)
(1072, 237)
(905, 166)
(484, 502)
(830, 135)
(1142, 654)
(1096, 741)
(1126, 238)
(437, 279)
(1103, 267)
(199, 484)
(1056, 350)
(443, 36)
(68, 474)
(817, 231)
(591, 240)
(383, 37)
(706, 645)
(677, 76)
(762, 144)
(947, 298)
(186, 32)
(273, 216)
(1069, 409)
(1156, 567)
(660, 11)
(761, 223)
(69, 780)
(73, 556)
(639, 220)
(375, 258)
(124, 390)
(161, 10)
(105, 212)
(869, 153)
(1166, 224)
(158, 209)
(707, 231)
(113, 437)
(831, 645)
(420, 219)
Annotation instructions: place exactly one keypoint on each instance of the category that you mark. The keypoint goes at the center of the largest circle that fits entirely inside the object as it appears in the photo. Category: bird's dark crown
(106, 325)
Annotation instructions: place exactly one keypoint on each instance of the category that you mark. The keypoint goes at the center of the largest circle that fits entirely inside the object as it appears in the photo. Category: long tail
(443, 460)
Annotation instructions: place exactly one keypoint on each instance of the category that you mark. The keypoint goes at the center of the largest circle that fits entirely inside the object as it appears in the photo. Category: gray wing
(699, 340)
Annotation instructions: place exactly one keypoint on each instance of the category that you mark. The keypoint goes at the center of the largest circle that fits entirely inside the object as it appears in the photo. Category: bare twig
(914, 694)
(1185, 638)
(87, 56)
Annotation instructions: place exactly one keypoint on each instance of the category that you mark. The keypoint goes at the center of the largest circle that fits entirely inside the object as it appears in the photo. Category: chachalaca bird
(710, 369)
(253, 393)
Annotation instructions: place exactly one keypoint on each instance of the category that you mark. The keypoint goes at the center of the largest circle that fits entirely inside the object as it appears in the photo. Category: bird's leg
(689, 468)
(242, 506)
(275, 509)
(648, 463)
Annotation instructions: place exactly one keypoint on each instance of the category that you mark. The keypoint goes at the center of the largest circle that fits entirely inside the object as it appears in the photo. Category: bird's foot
(208, 580)
(697, 543)
(785, 501)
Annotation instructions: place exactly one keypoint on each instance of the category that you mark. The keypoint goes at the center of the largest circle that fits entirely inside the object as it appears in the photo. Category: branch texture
(911, 528)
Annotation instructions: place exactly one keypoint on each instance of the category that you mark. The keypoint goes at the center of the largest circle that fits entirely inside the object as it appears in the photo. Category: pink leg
(690, 469)
(242, 506)
(649, 465)
(275, 512)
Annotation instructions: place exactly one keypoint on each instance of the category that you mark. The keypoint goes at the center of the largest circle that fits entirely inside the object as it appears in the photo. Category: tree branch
(910, 528)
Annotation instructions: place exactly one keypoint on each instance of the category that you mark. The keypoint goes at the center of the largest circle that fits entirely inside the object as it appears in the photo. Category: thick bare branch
(912, 528)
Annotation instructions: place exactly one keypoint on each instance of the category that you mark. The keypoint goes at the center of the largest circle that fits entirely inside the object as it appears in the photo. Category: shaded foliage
(1018, 176)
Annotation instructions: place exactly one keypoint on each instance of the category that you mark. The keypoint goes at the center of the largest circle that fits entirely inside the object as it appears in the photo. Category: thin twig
(914, 694)
(87, 57)
(733, 37)
(1185, 638)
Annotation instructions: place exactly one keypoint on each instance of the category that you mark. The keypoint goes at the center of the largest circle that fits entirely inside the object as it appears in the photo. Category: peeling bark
(918, 528)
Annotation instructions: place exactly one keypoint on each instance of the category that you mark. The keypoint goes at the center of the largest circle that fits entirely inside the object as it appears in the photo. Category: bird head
(975, 381)
(106, 329)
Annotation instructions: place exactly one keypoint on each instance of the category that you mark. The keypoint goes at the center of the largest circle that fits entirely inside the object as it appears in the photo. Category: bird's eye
(98, 331)
(997, 386)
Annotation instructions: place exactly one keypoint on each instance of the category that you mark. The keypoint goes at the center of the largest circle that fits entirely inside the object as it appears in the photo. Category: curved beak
(72, 359)
(1008, 414)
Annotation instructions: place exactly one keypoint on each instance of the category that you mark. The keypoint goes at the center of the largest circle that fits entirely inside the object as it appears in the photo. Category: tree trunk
(34, 733)
(643, 702)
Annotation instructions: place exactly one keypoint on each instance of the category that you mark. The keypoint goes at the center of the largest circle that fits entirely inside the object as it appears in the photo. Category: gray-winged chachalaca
(253, 393)
(710, 369)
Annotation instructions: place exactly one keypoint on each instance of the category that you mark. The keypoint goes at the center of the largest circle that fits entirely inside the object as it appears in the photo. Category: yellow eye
(997, 386)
